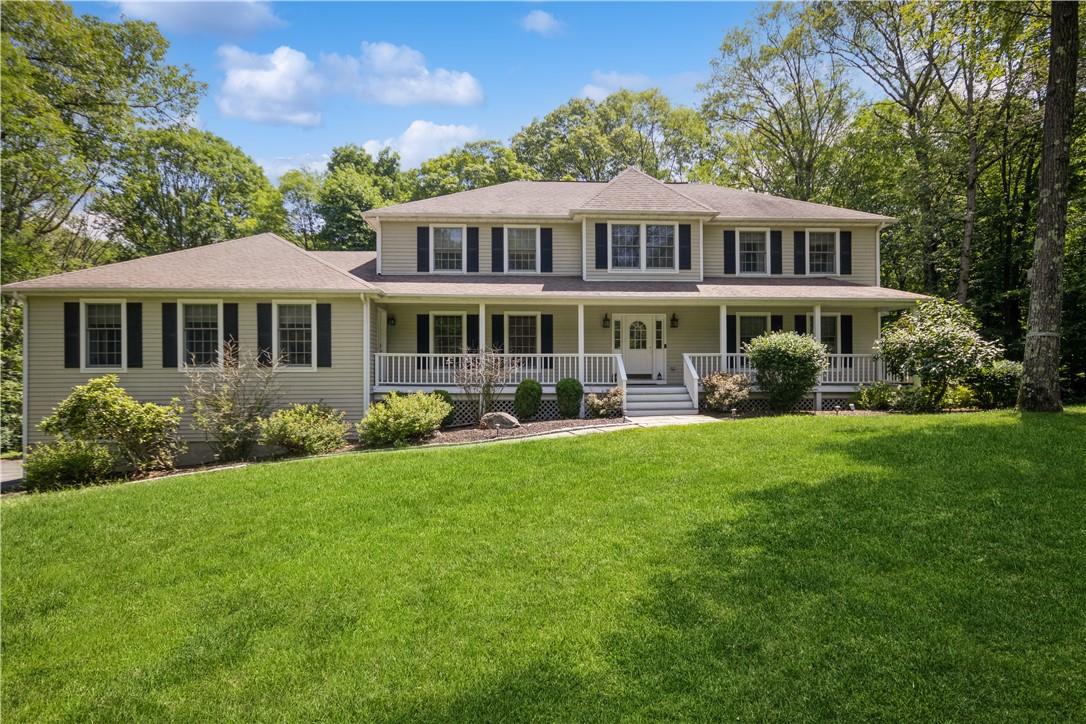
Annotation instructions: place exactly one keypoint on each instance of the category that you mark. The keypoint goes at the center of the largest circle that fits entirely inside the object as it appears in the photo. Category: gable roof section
(265, 262)
(635, 190)
(749, 205)
(540, 199)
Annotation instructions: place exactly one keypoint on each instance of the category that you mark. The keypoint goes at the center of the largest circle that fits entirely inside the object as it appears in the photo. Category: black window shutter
(71, 334)
(846, 334)
(134, 333)
(799, 252)
(846, 253)
(473, 332)
(264, 333)
(230, 336)
(546, 250)
(801, 324)
(169, 334)
(776, 322)
(729, 251)
(776, 262)
(731, 327)
(422, 339)
(497, 249)
(422, 249)
(324, 335)
(473, 248)
(601, 246)
(497, 331)
(546, 338)
(684, 246)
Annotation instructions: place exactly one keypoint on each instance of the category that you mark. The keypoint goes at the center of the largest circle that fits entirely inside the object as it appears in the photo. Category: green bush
(11, 415)
(724, 391)
(309, 429)
(143, 435)
(399, 419)
(958, 397)
(996, 385)
(786, 366)
(65, 464)
(609, 404)
(570, 392)
(878, 396)
(448, 399)
(916, 398)
(527, 399)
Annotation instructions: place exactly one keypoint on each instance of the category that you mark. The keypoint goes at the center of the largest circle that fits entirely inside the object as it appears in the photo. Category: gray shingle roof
(630, 191)
(265, 262)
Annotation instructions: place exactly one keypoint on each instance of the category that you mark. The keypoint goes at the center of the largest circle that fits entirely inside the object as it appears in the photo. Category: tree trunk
(1040, 378)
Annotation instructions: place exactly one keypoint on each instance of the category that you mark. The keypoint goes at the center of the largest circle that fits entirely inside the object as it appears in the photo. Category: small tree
(229, 400)
(724, 391)
(141, 434)
(483, 376)
(938, 343)
(786, 366)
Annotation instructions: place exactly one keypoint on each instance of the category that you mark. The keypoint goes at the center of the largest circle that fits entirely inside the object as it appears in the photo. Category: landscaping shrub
(11, 415)
(570, 392)
(878, 396)
(142, 435)
(786, 366)
(939, 344)
(724, 391)
(996, 385)
(527, 399)
(448, 398)
(609, 404)
(309, 429)
(958, 397)
(230, 400)
(66, 463)
(915, 399)
(399, 419)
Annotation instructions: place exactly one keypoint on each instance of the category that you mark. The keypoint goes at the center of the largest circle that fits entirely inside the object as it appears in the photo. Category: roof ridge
(639, 172)
(314, 257)
(669, 188)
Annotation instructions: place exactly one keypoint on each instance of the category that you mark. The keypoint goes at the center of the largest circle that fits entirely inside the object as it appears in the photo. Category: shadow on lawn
(942, 581)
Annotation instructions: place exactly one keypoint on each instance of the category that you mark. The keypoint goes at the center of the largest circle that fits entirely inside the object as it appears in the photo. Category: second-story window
(625, 246)
(752, 252)
(448, 248)
(822, 252)
(660, 246)
(521, 249)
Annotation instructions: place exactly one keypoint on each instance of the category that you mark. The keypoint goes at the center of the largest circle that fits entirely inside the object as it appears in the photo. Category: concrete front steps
(653, 400)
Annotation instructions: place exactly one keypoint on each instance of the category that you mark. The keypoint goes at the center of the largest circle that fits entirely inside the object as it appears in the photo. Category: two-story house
(632, 283)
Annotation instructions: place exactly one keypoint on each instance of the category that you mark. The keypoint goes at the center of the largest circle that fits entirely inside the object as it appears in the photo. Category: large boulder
(498, 421)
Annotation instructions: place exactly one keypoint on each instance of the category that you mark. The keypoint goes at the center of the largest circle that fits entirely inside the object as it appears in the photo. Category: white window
(104, 335)
(200, 340)
(643, 247)
(522, 333)
(447, 333)
(625, 246)
(753, 256)
(295, 332)
(831, 338)
(521, 248)
(638, 335)
(660, 246)
(821, 252)
(448, 247)
(751, 327)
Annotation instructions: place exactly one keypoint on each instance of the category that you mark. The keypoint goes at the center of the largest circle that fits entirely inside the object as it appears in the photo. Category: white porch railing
(620, 370)
(425, 370)
(691, 379)
(844, 369)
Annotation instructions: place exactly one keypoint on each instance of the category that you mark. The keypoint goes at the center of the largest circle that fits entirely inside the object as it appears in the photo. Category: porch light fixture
(606, 321)
(674, 321)
(391, 321)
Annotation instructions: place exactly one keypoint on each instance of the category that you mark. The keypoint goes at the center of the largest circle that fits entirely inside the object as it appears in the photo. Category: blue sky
(289, 81)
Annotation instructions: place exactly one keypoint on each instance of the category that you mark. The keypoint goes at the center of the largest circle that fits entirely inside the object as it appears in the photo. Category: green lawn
(798, 568)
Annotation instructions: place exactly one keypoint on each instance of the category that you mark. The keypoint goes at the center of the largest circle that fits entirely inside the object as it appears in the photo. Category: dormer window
(643, 247)
(448, 247)
(753, 251)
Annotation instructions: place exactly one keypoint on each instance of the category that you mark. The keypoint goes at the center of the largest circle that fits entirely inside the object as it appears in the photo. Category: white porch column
(580, 343)
(482, 327)
(817, 330)
(723, 332)
(367, 361)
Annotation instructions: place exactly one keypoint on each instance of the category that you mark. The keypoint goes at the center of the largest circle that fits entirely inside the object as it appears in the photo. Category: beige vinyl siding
(863, 249)
(692, 274)
(49, 382)
(402, 339)
(399, 238)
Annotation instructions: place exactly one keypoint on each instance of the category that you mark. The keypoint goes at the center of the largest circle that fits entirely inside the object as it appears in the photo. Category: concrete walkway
(665, 420)
(11, 475)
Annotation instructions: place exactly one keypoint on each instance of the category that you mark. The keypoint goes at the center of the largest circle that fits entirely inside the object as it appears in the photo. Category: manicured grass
(901, 568)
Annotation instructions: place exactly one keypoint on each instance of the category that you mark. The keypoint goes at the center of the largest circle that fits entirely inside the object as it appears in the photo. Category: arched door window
(639, 336)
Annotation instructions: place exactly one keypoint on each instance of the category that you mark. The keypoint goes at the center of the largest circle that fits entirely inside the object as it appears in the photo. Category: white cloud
(397, 75)
(221, 18)
(604, 84)
(276, 166)
(542, 22)
(280, 87)
(422, 140)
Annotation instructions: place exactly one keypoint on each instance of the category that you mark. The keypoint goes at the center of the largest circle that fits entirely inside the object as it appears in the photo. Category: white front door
(642, 345)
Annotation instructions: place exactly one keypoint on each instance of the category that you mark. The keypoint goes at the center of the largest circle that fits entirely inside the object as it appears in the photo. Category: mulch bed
(473, 434)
